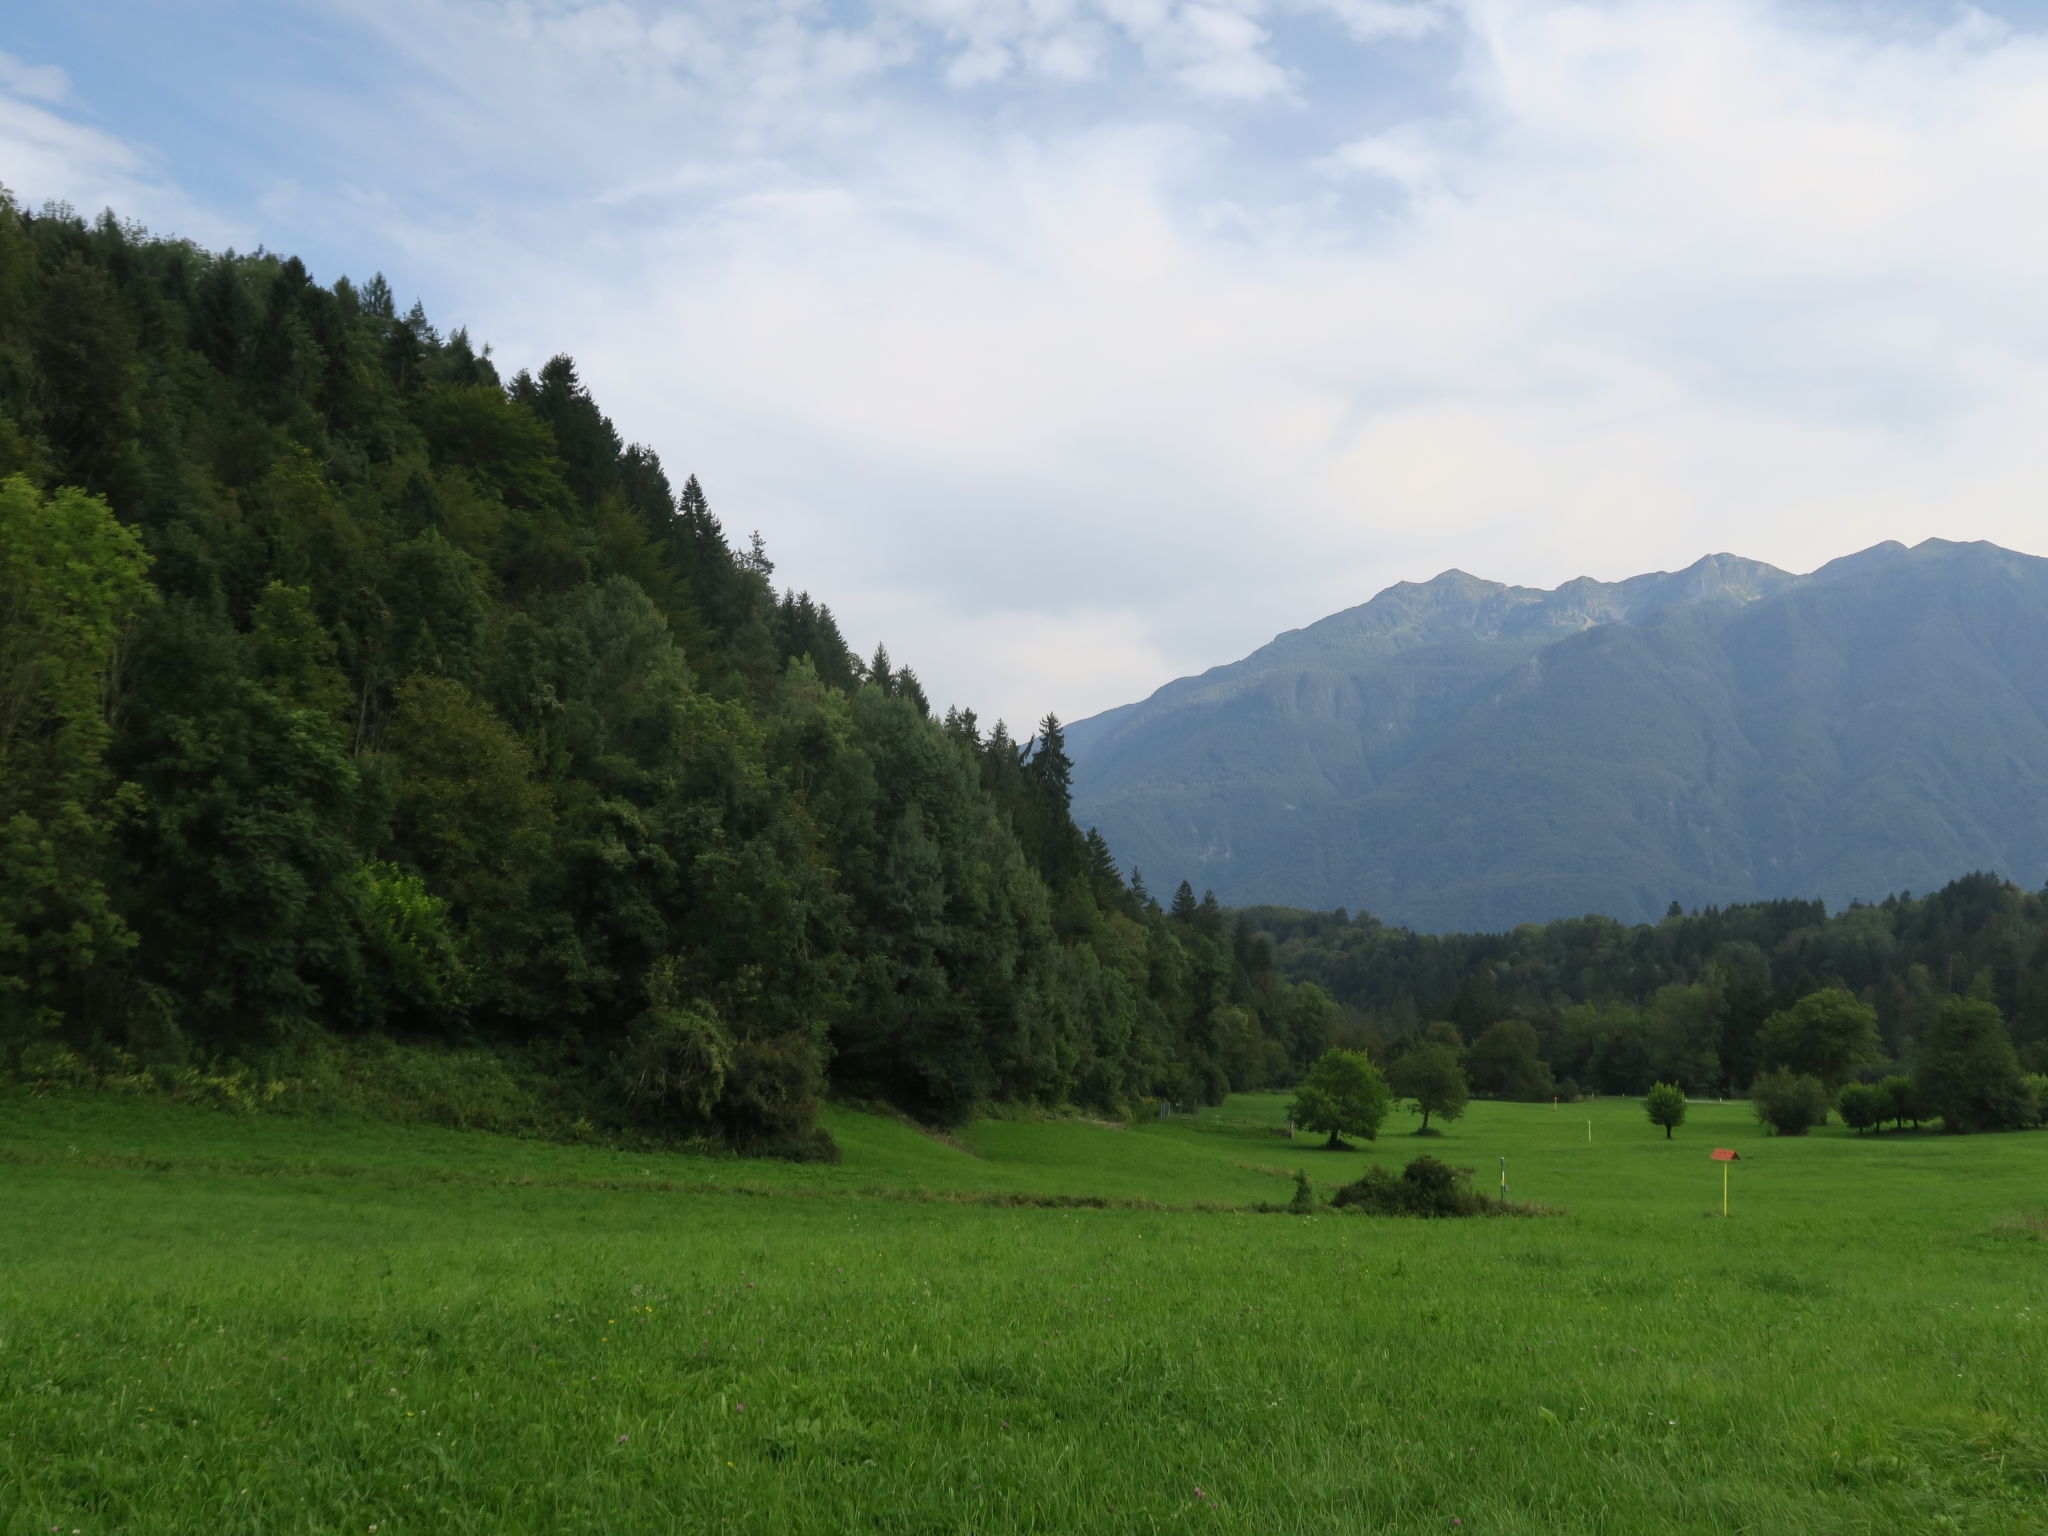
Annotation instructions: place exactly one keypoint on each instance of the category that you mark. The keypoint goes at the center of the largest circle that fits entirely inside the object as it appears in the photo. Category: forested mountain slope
(347, 689)
(1461, 754)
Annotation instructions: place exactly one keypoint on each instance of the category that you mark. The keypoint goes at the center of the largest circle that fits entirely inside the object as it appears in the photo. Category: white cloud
(46, 154)
(33, 82)
(1068, 345)
(1371, 20)
(1672, 278)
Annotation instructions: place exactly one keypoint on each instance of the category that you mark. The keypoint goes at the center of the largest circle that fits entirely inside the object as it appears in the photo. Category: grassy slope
(199, 1333)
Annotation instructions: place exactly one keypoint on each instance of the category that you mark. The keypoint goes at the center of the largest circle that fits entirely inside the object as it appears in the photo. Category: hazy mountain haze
(1460, 753)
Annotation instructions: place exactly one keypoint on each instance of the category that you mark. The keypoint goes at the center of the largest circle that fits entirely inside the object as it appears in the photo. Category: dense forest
(1590, 1004)
(350, 691)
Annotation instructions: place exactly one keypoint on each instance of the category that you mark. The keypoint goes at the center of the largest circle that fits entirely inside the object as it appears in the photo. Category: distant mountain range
(1459, 754)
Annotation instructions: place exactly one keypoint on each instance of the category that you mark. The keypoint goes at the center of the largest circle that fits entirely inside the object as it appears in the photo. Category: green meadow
(271, 1324)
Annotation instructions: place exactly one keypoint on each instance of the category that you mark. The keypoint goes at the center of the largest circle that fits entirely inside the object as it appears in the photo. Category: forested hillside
(1459, 754)
(349, 690)
(1605, 1007)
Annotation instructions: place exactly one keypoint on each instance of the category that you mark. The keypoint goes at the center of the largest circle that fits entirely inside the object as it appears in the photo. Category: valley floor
(269, 1324)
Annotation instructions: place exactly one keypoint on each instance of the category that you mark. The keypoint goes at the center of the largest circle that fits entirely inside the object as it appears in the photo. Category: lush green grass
(211, 1323)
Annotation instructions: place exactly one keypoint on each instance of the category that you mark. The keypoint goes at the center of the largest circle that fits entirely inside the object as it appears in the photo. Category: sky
(1071, 346)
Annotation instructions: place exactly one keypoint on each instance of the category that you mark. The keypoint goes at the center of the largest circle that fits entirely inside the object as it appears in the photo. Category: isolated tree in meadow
(1790, 1103)
(1863, 1106)
(1665, 1105)
(1343, 1095)
(1826, 1034)
(1430, 1078)
(1968, 1073)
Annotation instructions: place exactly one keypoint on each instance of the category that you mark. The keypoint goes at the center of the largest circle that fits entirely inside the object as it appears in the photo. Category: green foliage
(1826, 1034)
(71, 579)
(1429, 1077)
(1665, 1105)
(1902, 1100)
(1616, 1008)
(1505, 1062)
(1303, 1202)
(2037, 1093)
(1426, 1187)
(1343, 1095)
(1863, 1106)
(1967, 1072)
(1791, 1104)
(675, 1066)
(361, 693)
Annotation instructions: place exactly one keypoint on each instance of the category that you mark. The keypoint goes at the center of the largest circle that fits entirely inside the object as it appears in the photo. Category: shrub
(1862, 1106)
(1304, 1201)
(1790, 1103)
(1426, 1187)
(673, 1069)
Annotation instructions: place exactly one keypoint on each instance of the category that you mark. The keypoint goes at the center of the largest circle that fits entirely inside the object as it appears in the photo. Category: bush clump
(1426, 1187)
(1791, 1104)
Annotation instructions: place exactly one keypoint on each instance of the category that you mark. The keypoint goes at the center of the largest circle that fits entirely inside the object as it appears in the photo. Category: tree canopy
(1343, 1094)
(1432, 1081)
(349, 687)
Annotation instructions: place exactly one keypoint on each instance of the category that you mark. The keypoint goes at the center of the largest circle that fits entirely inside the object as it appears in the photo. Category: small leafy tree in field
(1902, 1101)
(1789, 1103)
(1430, 1078)
(1344, 1095)
(1863, 1106)
(1665, 1105)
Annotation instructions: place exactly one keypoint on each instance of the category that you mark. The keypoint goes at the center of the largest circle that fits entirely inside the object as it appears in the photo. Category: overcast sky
(1070, 346)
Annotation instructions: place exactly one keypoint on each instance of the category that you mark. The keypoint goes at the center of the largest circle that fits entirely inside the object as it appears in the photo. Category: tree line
(1937, 1004)
(350, 689)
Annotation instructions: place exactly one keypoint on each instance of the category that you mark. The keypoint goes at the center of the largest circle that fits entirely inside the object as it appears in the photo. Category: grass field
(267, 1324)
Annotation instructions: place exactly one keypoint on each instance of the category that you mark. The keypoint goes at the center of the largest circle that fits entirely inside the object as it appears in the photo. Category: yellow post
(1724, 1189)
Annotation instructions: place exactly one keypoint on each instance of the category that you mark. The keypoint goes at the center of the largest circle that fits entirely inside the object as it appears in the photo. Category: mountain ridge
(1617, 744)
